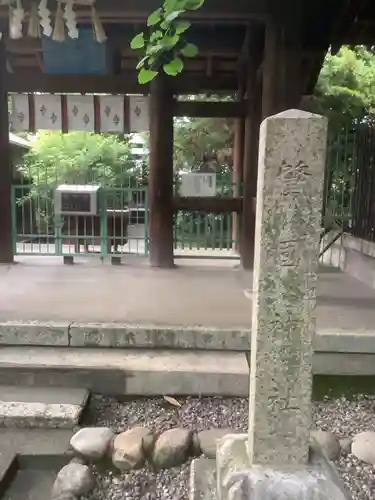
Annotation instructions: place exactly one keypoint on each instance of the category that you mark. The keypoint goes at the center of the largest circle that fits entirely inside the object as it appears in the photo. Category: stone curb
(163, 337)
(33, 415)
(34, 333)
(114, 335)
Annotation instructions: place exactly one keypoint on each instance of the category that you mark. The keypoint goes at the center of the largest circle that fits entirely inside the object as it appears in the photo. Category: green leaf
(190, 50)
(154, 18)
(155, 49)
(138, 41)
(170, 5)
(146, 75)
(173, 15)
(156, 35)
(174, 67)
(193, 4)
(182, 26)
(170, 41)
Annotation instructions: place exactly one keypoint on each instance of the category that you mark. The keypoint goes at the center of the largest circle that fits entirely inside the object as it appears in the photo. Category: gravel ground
(342, 417)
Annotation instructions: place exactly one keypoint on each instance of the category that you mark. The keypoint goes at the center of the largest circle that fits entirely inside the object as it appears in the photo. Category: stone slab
(41, 289)
(163, 337)
(114, 335)
(34, 333)
(8, 469)
(41, 407)
(29, 461)
(39, 415)
(31, 477)
(151, 372)
(122, 336)
(35, 442)
(134, 372)
(204, 479)
(31, 484)
(335, 341)
(276, 483)
(44, 394)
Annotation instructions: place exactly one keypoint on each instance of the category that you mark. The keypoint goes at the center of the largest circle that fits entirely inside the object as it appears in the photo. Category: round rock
(172, 448)
(74, 479)
(363, 447)
(92, 442)
(131, 448)
(346, 445)
(328, 442)
(208, 440)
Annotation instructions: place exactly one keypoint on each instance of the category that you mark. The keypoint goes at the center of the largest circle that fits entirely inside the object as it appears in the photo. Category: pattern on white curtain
(112, 113)
(81, 114)
(48, 115)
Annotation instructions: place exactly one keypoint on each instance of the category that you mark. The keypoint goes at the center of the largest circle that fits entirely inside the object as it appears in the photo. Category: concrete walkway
(196, 293)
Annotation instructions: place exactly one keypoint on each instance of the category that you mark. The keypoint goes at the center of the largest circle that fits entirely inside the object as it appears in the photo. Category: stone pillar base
(231, 477)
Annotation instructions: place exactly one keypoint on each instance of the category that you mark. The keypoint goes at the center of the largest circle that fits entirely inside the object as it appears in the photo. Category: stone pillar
(288, 214)
(6, 246)
(274, 460)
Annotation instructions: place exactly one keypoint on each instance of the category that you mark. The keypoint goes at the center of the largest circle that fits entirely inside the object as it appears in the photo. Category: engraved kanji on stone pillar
(288, 215)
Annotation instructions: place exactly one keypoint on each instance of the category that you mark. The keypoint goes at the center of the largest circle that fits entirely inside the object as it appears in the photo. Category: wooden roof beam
(138, 10)
(210, 109)
(32, 80)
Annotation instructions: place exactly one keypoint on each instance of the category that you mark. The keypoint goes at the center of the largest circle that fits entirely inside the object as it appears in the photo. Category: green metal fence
(121, 226)
(211, 235)
(198, 231)
(340, 177)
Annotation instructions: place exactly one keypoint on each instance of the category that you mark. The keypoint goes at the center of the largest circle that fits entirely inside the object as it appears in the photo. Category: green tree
(203, 141)
(77, 158)
(345, 91)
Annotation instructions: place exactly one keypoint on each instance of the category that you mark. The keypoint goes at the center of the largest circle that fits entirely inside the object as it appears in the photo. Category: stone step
(30, 460)
(22, 406)
(143, 372)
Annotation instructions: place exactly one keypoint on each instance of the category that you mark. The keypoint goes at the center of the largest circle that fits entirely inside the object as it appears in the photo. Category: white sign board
(195, 184)
(76, 200)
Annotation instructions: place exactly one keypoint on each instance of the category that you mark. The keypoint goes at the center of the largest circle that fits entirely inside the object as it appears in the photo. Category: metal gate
(201, 234)
(121, 226)
(208, 235)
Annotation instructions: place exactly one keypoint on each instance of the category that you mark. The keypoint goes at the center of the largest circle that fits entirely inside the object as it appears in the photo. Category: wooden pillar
(293, 79)
(279, 89)
(282, 64)
(237, 177)
(6, 247)
(270, 69)
(252, 125)
(160, 190)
